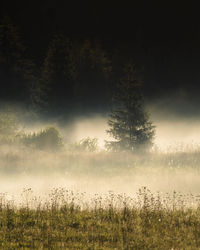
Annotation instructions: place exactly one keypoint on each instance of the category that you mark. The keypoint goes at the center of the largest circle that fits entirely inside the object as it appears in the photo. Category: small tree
(48, 139)
(129, 123)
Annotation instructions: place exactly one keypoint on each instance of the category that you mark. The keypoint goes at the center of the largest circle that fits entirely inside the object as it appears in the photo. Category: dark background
(163, 39)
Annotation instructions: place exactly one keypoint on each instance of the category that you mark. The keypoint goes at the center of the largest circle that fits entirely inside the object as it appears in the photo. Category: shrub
(85, 145)
(47, 139)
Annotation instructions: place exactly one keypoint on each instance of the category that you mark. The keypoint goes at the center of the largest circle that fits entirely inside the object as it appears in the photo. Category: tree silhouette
(16, 69)
(75, 71)
(52, 84)
(129, 123)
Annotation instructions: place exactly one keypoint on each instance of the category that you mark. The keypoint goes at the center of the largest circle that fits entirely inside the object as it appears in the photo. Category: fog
(172, 165)
(177, 124)
(171, 133)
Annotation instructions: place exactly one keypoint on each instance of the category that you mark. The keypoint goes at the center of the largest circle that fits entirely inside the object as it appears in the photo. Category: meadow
(101, 200)
(65, 221)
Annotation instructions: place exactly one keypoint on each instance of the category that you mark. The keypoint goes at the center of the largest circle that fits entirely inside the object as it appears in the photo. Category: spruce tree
(17, 70)
(129, 123)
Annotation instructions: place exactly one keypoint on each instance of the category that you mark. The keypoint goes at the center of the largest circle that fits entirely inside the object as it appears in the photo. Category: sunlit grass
(115, 221)
(70, 220)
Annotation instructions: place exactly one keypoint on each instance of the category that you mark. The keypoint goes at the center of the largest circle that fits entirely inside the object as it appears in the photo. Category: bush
(85, 145)
(47, 139)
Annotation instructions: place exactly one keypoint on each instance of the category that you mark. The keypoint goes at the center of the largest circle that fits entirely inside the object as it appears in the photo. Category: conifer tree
(129, 123)
(74, 70)
(16, 69)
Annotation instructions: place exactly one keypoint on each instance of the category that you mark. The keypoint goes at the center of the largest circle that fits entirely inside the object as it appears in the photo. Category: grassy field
(70, 220)
(64, 221)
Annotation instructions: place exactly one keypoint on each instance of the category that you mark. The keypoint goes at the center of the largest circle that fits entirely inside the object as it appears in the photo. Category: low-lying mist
(173, 163)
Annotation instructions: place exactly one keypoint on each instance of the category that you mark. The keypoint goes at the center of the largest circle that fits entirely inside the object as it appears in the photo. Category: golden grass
(65, 221)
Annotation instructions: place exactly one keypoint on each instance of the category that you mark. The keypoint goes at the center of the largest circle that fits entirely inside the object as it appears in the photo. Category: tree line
(70, 72)
(75, 73)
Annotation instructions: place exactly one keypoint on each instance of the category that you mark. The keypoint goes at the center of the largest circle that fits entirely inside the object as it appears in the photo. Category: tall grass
(69, 220)
(64, 221)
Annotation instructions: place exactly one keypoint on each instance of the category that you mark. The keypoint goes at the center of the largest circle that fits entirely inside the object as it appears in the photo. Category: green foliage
(85, 145)
(47, 139)
(129, 123)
